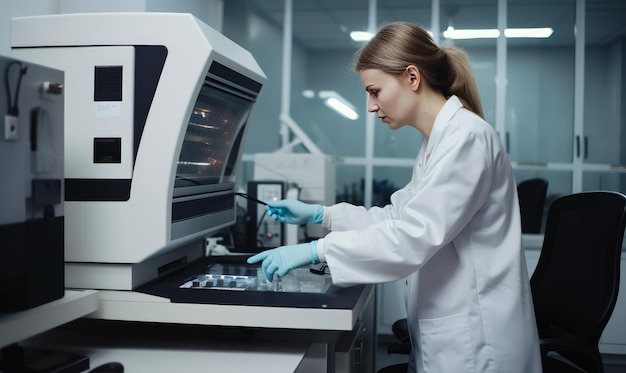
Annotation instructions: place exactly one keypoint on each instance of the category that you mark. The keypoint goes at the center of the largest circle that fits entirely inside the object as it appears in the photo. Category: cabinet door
(613, 340)
(599, 147)
(540, 74)
(391, 305)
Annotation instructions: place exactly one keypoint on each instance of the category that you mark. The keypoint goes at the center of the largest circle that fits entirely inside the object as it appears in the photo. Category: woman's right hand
(292, 211)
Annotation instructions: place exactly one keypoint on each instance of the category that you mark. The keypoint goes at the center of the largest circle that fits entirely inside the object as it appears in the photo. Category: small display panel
(243, 277)
(107, 150)
(213, 134)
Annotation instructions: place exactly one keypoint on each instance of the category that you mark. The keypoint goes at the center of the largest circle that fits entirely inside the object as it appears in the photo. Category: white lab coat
(454, 233)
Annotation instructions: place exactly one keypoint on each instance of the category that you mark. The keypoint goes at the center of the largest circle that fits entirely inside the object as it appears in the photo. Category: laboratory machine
(157, 107)
(31, 190)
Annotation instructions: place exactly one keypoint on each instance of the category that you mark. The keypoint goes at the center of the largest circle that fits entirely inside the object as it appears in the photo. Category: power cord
(13, 100)
(11, 124)
(258, 227)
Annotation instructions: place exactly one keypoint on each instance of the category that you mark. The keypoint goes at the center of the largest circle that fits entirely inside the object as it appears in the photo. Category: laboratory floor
(612, 363)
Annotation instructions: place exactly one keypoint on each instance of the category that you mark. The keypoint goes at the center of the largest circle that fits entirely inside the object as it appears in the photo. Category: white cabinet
(390, 305)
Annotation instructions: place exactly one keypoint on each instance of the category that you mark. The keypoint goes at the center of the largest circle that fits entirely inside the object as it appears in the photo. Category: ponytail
(463, 85)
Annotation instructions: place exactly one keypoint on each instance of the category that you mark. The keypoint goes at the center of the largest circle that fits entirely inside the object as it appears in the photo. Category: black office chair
(532, 198)
(576, 281)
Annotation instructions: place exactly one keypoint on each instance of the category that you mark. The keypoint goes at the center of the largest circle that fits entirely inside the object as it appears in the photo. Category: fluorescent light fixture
(451, 33)
(361, 35)
(342, 106)
(538, 32)
(308, 93)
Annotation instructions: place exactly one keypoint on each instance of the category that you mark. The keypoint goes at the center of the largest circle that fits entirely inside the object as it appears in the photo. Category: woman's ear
(413, 75)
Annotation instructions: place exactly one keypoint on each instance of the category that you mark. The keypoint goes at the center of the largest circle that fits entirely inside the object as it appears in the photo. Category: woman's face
(392, 98)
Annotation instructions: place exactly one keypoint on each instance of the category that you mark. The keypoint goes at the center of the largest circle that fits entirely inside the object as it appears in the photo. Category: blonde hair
(400, 44)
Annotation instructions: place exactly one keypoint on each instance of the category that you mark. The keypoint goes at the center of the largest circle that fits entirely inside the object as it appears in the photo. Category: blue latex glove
(285, 258)
(292, 211)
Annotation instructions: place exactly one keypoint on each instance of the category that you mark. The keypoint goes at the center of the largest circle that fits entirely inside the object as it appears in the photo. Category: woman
(453, 231)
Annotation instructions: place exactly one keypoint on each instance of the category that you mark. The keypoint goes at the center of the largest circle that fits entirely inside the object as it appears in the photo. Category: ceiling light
(538, 32)
(342, 106)
(451, 33)
(361, 35)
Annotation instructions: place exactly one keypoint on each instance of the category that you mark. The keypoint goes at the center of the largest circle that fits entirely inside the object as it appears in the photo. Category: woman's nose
(372, 106)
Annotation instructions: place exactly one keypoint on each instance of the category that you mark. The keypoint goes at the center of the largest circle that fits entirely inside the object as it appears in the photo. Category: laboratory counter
(217, 315)
(146, 347)
(226, 291)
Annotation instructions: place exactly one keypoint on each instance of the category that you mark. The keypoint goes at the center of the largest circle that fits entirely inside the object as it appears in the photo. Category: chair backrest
(576, 281)
(532, 198)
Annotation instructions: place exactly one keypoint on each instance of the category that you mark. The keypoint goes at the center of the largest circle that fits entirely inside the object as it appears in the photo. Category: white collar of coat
(445, 114)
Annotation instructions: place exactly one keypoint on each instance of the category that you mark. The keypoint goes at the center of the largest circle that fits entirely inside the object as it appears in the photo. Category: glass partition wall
(556, 99)
(539, 115)
(601, 142)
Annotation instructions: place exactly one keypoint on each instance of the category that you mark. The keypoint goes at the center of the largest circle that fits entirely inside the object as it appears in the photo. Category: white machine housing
(156, 107)
(311, 175)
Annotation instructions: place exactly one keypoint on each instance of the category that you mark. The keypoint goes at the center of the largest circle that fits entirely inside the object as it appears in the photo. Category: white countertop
(154, 353)
(16, 326)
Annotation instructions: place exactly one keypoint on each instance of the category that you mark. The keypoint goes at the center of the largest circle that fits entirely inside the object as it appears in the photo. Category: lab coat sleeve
(454, 185)
(344, 216)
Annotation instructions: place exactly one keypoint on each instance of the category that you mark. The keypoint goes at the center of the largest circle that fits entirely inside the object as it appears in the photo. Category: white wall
(264, 40)
(205, 10)
(20, 8)
(79, 6)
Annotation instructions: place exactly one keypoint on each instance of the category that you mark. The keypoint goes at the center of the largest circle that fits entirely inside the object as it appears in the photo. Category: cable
(258, 227)
(254, 199)
(13, 101)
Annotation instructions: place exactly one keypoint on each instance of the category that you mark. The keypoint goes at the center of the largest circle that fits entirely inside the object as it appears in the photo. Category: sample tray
(229, 280)
(244, 277)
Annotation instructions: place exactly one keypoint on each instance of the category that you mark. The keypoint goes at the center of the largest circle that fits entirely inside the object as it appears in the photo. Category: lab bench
(17, 326)
(161, 324)
(146, 347)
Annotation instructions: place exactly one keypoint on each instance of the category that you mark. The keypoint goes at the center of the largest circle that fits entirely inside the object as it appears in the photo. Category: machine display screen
(213, 136)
